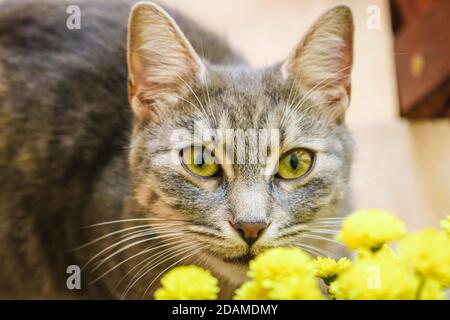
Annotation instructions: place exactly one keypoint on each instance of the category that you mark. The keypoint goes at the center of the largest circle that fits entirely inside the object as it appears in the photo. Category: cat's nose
(250, 231)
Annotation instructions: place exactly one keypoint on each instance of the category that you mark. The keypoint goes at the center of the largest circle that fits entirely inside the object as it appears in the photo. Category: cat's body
(65, 154)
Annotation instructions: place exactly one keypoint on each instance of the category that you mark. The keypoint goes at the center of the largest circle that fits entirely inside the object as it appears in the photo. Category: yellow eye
(295, 164)
(199, 161)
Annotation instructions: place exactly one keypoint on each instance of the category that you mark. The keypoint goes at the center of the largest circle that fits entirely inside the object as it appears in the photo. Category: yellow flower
(251, 291)
(328, 269)
(187, 283)
(445, 224)
(384, 250)
(370, 229)
(428, 251)
(288, 288)
(375, 277)
(278, 263)
(295, 288)
(281, 273)
(432, 290)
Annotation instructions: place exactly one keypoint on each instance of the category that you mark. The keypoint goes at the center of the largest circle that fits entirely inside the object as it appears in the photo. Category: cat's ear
(321, 63)
(161, 61)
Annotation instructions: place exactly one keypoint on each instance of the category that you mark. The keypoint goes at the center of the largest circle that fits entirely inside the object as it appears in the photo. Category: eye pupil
(199, 161)
(294, 161)
(294, 164)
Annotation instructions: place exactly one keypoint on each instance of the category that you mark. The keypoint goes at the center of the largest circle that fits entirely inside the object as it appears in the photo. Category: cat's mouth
(242, 260)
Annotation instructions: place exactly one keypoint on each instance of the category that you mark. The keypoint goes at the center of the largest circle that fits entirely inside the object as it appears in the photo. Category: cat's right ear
(321, 63)
(161, 61)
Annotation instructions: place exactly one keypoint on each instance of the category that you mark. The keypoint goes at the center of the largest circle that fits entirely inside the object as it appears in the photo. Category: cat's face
(232, 205)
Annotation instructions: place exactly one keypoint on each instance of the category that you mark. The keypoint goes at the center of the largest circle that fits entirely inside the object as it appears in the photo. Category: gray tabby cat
(86, 180)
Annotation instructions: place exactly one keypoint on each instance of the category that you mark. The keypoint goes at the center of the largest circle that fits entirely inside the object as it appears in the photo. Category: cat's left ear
(162, 64)
(321, 64)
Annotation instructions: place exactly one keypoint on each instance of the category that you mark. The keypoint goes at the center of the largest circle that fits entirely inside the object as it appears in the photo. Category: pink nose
(250, 231)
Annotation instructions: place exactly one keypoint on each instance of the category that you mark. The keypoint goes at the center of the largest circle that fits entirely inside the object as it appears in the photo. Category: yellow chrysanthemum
(295, 288)
(187, 283)
(384, 250)
(251, 291)
(428, 251)
(432, 290)
(445, 224)
(328, 269)
(289, 288)
(370, 229)
(279, 263)
(281, 273)
(376, 277)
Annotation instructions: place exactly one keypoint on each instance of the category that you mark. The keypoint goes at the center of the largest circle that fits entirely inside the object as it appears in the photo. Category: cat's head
(228, 207)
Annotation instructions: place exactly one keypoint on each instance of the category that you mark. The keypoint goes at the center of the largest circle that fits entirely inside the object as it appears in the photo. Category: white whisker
(320, 252)
(151, 267)
(131, 220)
(312, 236)
(195, 95)
(170, 266)
(146, 260)
(149, 249)
(145, 226)
(316, 87)
(125, 240)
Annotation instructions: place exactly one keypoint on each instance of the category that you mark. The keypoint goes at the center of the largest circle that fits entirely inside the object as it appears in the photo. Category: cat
(90, 175)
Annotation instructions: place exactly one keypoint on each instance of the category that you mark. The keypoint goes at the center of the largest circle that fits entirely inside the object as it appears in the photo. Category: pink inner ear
(348, 88)
(346, 63)
(151, 77)
(162, 62)
(136, 70)
(325, 55)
